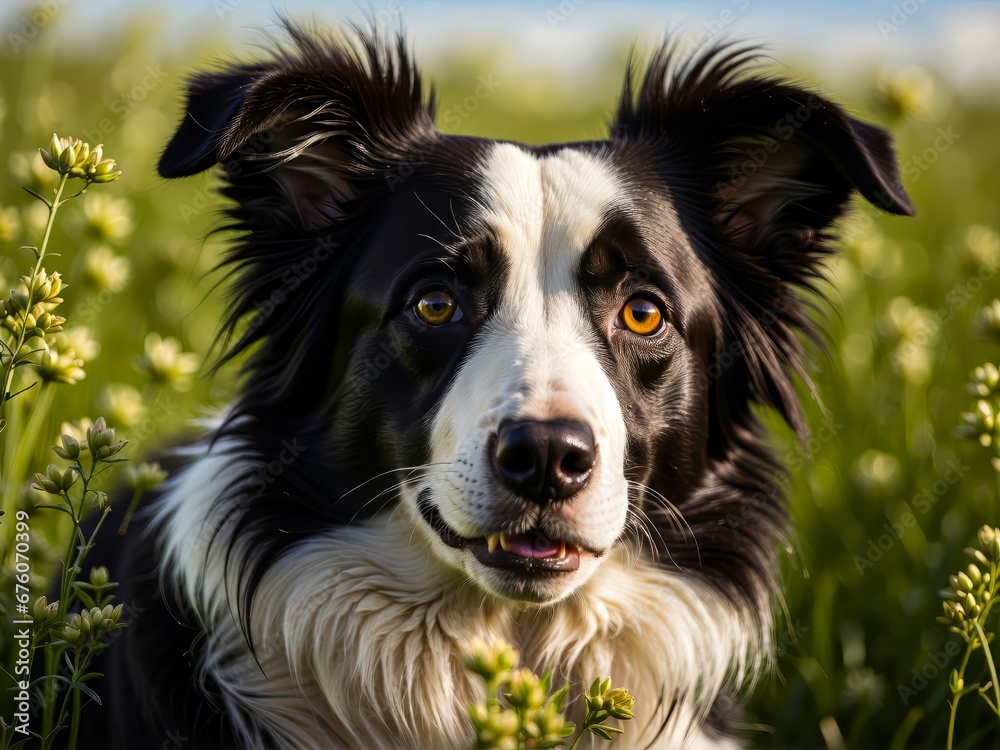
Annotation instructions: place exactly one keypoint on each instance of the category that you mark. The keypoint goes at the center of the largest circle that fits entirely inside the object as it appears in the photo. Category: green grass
(889, 390)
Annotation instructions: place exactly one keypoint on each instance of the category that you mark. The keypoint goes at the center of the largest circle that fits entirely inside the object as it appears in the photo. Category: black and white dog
(491, 390)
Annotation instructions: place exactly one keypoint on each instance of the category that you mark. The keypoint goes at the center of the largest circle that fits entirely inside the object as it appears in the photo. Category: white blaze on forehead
(545, 211)
(537, 355)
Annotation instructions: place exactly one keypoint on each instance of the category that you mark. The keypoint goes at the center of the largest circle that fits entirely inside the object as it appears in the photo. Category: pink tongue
(532, 545)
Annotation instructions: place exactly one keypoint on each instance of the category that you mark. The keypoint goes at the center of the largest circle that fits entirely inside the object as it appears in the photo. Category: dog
(488, 390)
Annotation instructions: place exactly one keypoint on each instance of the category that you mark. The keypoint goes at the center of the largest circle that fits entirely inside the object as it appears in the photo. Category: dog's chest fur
(360, 641)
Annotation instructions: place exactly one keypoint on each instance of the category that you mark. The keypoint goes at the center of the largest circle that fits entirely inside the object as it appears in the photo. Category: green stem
(957, 697)
(40, 256)
(989, 658)
(74, 725)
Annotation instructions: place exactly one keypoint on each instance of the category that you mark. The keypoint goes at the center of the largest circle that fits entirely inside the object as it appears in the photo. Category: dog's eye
(641, 316)
(437, 308)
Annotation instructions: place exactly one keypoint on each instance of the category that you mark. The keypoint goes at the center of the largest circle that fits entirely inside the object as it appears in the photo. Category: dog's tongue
(532, 545)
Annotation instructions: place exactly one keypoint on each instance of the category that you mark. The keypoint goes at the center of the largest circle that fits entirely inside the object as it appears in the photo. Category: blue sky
(961, 39)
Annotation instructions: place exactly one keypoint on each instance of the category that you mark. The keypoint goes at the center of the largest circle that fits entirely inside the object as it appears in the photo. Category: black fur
(345, 196)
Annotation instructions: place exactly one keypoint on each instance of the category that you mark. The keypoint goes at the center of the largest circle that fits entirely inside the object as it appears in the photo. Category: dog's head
(537, 351)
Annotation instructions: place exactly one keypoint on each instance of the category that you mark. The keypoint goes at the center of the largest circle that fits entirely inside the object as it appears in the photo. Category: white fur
(360, 640)
(360, 630)
(536, 358)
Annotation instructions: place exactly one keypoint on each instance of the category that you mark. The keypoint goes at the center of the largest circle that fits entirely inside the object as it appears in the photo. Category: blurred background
(883, 496)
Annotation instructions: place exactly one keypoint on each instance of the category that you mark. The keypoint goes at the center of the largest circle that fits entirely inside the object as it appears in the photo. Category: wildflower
(877, 473)
(105, 270)
(75, 158)
(604, 701)
(495, 726)
(969, 591)
(493, 661)
(915, 331)
(101, 442)
(988, 321)
(546, 727)
(907, 92)
(143, 476)
(43, 612)
(78, 339)
(60, 367)
(983, 245)
(164, 363)
(107, 219)
(10, 224)
(525, 689)
(55, 481)
(123, 404)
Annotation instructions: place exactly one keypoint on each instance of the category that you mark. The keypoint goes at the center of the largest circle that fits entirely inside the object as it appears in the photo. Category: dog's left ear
(311, 127)
(768, 156)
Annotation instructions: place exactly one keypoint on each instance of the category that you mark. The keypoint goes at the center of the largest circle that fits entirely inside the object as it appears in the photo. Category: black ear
(759, 169)
(213, 103)
(311, 127)
(772, 154)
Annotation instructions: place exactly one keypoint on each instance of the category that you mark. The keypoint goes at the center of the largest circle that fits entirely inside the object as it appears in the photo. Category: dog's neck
(360, 634)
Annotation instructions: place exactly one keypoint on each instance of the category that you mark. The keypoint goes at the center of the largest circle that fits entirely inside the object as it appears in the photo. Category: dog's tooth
(562, 548)
(493, 541)
(505, 541)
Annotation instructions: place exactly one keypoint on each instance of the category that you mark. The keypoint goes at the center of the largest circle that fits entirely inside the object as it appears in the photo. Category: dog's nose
(544, 461)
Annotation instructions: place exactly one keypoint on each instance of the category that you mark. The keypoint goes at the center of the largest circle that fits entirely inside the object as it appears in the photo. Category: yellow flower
(105, 270)
(73, 157)
(983, 244)
(907, 92)
(60, 367)
(78, 339)
(10, 224)
(123, 404)
(107, 218)
(163, 362)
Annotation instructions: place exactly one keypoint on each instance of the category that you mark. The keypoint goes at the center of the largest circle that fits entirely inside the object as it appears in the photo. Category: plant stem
(957, 697)
(8, 377)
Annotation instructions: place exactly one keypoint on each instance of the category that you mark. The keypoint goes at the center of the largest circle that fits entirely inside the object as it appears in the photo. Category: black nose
(544, 461)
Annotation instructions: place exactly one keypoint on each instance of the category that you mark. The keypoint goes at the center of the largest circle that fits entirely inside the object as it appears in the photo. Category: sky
(961, 40)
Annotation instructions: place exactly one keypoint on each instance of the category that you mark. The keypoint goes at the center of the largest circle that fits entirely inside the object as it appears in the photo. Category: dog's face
(581, 363)
(538, 351)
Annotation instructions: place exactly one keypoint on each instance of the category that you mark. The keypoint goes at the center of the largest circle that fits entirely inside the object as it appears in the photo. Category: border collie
(490, 389)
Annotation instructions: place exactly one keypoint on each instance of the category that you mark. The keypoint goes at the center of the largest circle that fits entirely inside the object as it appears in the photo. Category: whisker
(391, 471)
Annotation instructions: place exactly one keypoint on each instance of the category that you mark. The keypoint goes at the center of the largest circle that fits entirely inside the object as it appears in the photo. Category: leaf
(84, 597)
(558, 698)
(89, 676)
(56, 507)
(605, 732)
(29, 191)
(546, 682)
(86, 691)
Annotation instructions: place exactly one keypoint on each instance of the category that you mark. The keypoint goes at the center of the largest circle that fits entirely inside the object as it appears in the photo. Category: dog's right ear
(318, 125)
(213, 103)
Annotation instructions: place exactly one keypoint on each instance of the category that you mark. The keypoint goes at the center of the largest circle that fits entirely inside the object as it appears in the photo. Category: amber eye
(641, 316)
(437, 308)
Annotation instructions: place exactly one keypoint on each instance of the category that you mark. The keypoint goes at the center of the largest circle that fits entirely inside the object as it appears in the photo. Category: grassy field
(884, 496)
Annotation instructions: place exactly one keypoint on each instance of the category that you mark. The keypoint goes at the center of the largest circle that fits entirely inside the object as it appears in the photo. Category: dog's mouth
(530, 552)
(527, 552)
